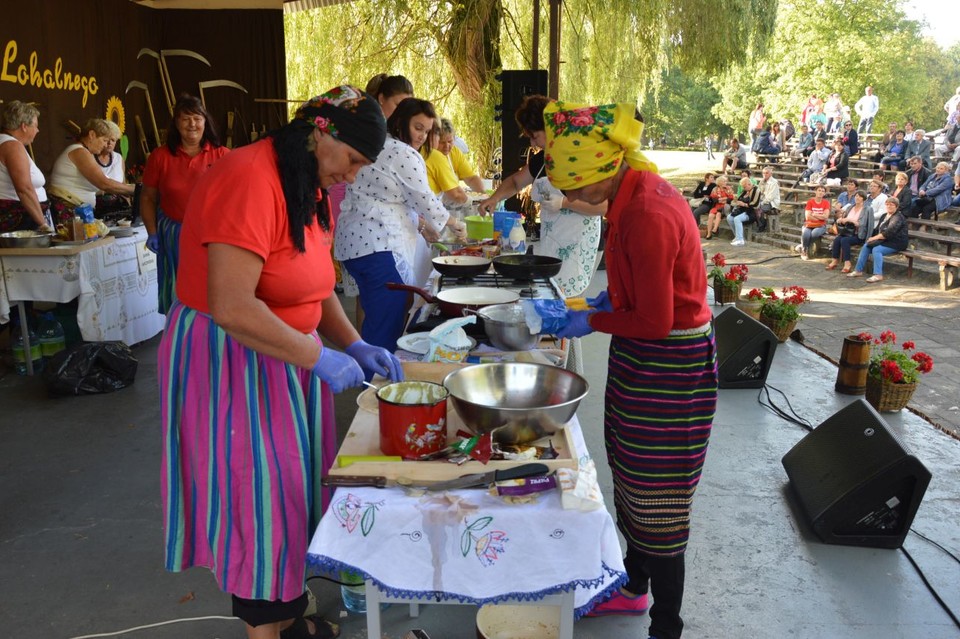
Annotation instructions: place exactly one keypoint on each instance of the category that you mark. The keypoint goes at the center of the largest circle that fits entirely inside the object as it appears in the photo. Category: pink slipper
(621, 604)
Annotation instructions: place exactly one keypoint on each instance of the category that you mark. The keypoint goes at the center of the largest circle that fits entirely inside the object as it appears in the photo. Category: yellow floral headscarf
(586, 144)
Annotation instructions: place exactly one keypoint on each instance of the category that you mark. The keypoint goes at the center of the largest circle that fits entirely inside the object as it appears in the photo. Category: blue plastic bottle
(354, 596)
(51, 336)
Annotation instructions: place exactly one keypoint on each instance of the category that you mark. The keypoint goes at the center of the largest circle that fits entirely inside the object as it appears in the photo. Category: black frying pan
(527, 267)
(461, 265)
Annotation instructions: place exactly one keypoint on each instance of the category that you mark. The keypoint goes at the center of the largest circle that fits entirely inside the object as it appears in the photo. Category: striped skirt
(240, 461)
(168, 233)
(659, 406)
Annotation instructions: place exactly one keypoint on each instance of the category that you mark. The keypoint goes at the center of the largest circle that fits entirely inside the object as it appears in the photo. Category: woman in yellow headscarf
(661, 390)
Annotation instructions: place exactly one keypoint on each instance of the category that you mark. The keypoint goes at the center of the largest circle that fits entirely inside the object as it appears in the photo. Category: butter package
(579, 488)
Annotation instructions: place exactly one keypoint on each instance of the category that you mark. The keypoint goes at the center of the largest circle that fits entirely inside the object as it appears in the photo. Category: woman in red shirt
(815, 214)
(662, 380)
(172, 171)
(242, 370)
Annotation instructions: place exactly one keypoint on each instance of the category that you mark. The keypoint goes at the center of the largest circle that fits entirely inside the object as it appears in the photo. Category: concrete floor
(81, 551)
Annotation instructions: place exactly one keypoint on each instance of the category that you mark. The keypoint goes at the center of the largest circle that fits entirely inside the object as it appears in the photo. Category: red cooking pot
(413, 418)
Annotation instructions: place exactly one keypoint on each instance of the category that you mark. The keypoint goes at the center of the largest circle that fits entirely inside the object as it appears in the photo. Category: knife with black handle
(473, 480)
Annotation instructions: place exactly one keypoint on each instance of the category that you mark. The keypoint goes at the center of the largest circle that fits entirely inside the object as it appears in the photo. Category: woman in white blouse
(111, 163)
(383, 212)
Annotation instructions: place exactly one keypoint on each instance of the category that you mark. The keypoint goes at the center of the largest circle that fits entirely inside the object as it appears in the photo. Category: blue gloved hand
(577, 324)
(153, 243)
(338, 370)
(377, 360)
(601, 302)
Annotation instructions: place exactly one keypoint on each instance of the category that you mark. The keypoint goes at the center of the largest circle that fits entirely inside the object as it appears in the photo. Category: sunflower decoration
(116, 114)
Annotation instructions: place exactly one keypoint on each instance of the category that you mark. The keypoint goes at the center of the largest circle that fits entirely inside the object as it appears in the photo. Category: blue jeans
(385, 311)
(736, 220)
(809, 236)
(865, 125)
(956, 201)
(842, 246)
(878, 252)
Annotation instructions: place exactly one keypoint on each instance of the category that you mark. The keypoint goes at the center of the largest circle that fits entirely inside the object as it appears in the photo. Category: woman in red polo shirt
(172, 171)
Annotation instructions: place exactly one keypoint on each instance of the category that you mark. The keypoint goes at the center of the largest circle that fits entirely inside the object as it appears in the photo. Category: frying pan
(527, 267)
(461, 265)
(453, 301)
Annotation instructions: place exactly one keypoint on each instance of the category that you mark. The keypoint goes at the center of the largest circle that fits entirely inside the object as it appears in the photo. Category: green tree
(681, 109)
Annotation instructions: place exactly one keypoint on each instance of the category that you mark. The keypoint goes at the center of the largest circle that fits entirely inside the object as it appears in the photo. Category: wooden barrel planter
(854, 362)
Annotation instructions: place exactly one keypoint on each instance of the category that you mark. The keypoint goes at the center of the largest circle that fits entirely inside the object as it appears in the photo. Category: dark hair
(392, 85)
(854, 183)
(297, 166)
(529, 114)
(187, 103)
(437, 130)
(373, 85)
(398, 124)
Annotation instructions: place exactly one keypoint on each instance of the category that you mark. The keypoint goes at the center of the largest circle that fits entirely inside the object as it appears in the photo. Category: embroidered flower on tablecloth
(489, 546)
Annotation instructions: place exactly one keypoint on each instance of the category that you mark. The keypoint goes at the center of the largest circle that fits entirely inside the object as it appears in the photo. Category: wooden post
(553, 65)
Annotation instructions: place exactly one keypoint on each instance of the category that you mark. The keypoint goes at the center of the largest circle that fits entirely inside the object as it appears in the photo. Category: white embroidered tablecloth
(469, 546)
(116, 285)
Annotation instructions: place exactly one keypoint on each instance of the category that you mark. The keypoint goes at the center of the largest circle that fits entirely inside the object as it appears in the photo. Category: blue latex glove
(338, 370)
(601, 302)
(377, 360)
(577, 324)
(153, 243)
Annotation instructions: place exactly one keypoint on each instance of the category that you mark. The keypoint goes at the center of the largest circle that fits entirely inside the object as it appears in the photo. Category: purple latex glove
(577, 324)
(153, 243)
(338, 370)
(601, 302)
(377, 360)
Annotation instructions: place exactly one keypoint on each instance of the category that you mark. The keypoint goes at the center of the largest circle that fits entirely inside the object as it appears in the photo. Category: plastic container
(19, 354)
(502, 223)
(479, 227)
(51, 336)
(517, 239)
(354, 596)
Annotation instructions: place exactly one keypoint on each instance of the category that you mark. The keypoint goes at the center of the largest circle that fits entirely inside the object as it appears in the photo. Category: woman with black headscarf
(242, 366)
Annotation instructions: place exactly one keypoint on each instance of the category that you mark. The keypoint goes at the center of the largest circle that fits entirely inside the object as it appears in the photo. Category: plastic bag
(91, 367)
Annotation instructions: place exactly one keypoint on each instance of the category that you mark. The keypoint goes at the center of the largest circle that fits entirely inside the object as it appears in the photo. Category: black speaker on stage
(745, 350)
(854, 481)
(515, 85)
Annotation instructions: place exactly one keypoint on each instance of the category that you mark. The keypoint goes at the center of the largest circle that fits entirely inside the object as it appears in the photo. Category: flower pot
(886, 396)
(724, 295)
(782, 331)
(854, 362)
(750, 307)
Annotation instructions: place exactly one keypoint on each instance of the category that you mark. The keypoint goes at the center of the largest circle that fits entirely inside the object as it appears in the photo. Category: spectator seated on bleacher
(890, 237)
(901, 191)
(950, 147)
(852, 228)
(766, 143)
(815, 162)
(851, 140)
(735, 157)
(894, 154)
(934, 195)
(845, 200)
(701, 203)
(917, 174)
(876, 198)
(891, 132)
(918, 145)
(815, 216)
(744, 210)
(721, 197)
(838, 166)
(955, 193)
(820, 132)
(769, 197)
(745, 173)
(804, 145)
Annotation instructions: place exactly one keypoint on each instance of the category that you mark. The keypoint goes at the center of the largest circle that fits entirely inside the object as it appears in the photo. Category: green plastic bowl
(479, 227)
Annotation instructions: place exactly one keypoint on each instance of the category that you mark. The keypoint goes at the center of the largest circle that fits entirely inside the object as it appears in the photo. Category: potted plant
(894, 372)
(781, 312)
(726, 285)
(751, 303)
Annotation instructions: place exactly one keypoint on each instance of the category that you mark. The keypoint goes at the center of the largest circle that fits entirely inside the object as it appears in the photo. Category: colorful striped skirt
(241, 459)
(659, 406)
(168, 233)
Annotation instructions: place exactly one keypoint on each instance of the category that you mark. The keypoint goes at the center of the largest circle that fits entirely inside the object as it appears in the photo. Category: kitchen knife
(473, 480)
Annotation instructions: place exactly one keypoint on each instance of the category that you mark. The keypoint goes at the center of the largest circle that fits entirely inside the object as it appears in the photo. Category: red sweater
(656, 277)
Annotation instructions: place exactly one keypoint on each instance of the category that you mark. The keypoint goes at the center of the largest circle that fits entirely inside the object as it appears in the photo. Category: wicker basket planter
(782, 331)
(724, 295)
(886, 396)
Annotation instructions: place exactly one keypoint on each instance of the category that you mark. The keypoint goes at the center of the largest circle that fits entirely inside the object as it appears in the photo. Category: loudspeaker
(855, 483)
(514, 86)
(745, 350)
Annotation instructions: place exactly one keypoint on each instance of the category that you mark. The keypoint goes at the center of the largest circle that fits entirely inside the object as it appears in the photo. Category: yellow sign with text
(55, 78)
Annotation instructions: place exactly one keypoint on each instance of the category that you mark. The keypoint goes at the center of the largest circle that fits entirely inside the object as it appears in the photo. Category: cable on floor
(156, 625)
(791, 417)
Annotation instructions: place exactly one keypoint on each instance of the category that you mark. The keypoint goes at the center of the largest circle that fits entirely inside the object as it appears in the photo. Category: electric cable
(156, 625)
(933, 591)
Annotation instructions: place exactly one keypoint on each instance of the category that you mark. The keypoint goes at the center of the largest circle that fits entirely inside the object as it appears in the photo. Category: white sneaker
(803, 256)
(737, 243)
(798, 248)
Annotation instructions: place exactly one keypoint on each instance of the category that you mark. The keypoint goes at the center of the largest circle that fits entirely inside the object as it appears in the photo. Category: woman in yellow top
(440, 176)
(458, 159)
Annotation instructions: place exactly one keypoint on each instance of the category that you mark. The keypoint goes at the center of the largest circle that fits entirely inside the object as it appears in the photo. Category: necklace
(109, 162)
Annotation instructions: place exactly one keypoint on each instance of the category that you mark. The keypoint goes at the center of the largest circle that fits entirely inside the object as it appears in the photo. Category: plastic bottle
(354, 596)
(19, 355)
(51, 336)
(518, 237)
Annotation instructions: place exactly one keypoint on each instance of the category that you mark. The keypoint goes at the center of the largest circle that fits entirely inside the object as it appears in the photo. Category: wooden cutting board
(363, 440)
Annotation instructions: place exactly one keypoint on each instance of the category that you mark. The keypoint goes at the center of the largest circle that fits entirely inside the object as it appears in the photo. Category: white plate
(121, 231)
(419, 343)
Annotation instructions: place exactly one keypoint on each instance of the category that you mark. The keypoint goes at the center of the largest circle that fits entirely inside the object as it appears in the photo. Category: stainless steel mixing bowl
(25, 239)
(506, 327)
(518, 402)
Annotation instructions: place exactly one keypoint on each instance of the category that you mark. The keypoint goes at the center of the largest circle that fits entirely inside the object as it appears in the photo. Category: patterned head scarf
(586, 144)
(349, 115)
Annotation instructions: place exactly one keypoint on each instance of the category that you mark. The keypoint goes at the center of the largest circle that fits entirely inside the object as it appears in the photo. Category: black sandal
(322, 629)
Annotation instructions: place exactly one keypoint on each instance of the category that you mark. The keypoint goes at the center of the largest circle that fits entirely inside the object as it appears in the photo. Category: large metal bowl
(506, 327)
(518, 402)
(25, 239)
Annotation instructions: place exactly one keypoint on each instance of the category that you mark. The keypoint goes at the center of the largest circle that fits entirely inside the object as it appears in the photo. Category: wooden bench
(947, 265)
(949, 241)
